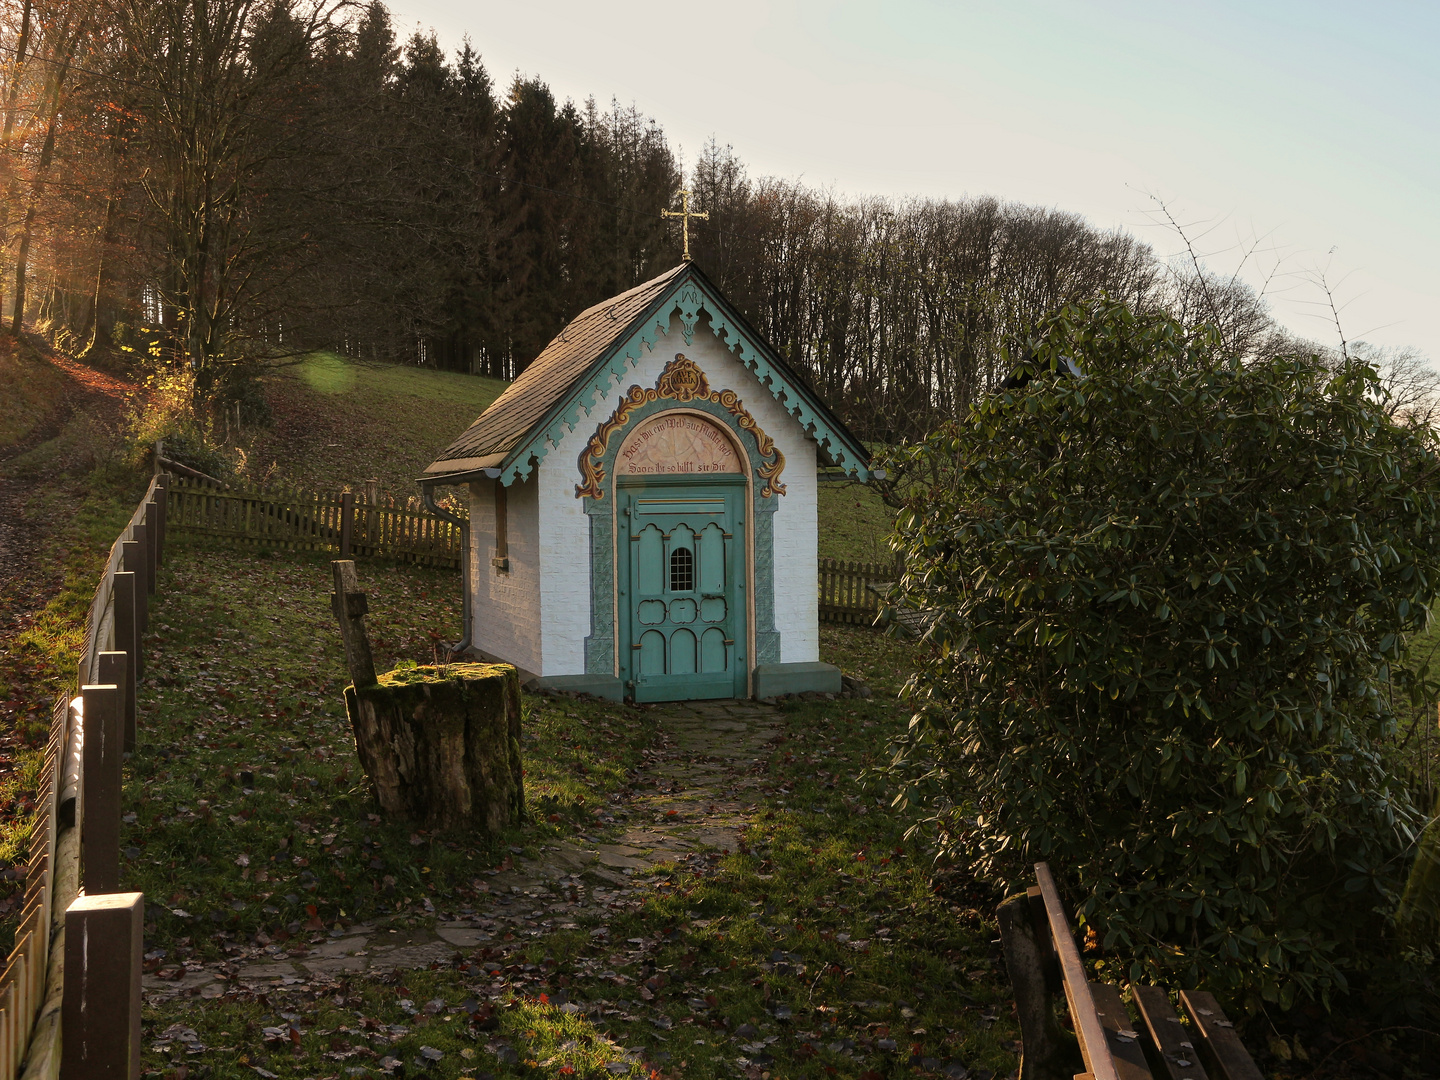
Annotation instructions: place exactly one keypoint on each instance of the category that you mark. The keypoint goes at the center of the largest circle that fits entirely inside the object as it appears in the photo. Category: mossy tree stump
(440, 744)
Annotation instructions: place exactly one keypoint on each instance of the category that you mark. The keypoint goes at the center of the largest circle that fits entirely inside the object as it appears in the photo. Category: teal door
(682, 589)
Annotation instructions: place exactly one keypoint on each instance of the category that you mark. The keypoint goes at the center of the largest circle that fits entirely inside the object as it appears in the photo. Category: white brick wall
(565, 557)
(507, 609)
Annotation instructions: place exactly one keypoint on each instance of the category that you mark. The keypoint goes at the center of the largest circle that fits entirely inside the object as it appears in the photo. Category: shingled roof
(549, 377)
(541, 404)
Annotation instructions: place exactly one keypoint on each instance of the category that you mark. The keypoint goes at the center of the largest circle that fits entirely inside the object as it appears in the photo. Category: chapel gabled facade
(643, 505)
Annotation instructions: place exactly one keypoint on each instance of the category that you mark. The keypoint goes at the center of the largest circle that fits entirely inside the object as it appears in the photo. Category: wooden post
(127, 640)
(100, 792)
(115, 669)
(162, 504)
(136, 559)
(349, 605)
(1048, 1051)
(152, 545)
(100, 1015)
(347, 522)
(372, 516)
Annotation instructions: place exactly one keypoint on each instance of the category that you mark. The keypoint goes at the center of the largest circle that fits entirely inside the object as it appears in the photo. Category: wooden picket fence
(293, 520)
(362, 523)
(846, 593)
(72, 800)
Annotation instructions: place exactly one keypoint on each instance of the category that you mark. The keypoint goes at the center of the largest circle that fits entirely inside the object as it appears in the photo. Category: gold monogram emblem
(682, 380)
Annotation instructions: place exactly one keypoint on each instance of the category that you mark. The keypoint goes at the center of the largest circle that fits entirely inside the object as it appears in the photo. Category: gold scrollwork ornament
(682, 381)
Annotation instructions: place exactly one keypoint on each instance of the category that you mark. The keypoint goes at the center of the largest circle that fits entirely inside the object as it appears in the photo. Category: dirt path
(692, 798)
(88, 390)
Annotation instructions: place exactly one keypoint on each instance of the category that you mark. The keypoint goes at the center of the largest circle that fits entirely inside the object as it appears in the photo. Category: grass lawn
(818, 948)
(340, 422)
(854, 524)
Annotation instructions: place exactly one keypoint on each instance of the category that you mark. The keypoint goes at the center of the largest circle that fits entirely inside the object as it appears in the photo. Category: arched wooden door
(681, 576)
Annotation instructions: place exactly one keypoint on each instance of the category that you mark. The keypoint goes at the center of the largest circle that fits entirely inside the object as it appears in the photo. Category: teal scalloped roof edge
(691, 298)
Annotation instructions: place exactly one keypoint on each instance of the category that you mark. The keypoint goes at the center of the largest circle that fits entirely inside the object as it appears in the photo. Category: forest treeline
(227, 183)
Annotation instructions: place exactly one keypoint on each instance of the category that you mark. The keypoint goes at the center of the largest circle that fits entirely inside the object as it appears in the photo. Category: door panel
(682, 653)
(682, 588)
(652, 546)
(712, 650)
(652, 653)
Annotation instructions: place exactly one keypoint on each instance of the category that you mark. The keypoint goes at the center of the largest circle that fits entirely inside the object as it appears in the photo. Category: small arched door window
(682, 570)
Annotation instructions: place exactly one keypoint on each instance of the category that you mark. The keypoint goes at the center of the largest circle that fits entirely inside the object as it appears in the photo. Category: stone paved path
(692, 795)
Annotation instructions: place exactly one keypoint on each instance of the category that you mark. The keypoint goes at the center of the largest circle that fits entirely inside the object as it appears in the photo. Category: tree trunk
(37, 182)
(442, 745)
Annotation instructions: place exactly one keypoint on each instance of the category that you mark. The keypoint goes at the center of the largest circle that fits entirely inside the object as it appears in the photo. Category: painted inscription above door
(679, 444)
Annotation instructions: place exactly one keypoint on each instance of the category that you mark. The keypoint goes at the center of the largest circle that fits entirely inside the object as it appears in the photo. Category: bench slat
(1226, 1054)
(1170, 1038)
(1122, 1038)
(1093, 1045)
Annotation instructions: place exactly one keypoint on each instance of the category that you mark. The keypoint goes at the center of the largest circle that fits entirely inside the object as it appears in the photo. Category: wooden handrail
(1077, 988)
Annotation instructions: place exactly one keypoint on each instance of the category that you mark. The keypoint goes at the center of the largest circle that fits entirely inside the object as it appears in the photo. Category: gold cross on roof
(685, 214)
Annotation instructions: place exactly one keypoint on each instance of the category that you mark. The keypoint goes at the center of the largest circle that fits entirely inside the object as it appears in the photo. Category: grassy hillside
(342, 422)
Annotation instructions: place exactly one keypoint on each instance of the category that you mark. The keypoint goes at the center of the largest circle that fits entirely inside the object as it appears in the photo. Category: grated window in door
(682, 570)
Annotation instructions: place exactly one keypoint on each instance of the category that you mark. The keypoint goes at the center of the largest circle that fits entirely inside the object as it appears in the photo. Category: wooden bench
(1041, 955)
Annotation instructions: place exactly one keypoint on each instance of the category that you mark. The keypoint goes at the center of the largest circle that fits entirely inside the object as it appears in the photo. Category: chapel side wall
(797, 570)
(505, 606)
(565, 554)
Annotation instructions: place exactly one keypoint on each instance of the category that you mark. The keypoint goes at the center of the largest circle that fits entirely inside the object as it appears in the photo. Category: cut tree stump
(442, 745)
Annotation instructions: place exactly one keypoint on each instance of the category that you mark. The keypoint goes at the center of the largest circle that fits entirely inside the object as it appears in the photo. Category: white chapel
(643, 506)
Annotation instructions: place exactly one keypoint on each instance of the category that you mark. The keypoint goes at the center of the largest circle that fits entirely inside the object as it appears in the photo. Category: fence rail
(846, 593)
(79, 792)
(310, 521)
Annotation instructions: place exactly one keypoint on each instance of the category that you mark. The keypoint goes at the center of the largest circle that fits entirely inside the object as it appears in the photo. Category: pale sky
(1313, 126)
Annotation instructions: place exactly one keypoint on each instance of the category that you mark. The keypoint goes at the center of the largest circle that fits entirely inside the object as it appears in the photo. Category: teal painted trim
(690, 304)
(772, 680)
(600, 645)
(600, 686)
(767, 638)
(691, 298)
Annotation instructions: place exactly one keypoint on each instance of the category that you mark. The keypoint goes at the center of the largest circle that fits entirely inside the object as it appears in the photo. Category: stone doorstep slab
(617, 860)
(337, 965)
(277, 970)
(709, 727)
(187, 982)
(409, 956)
(342, 947)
